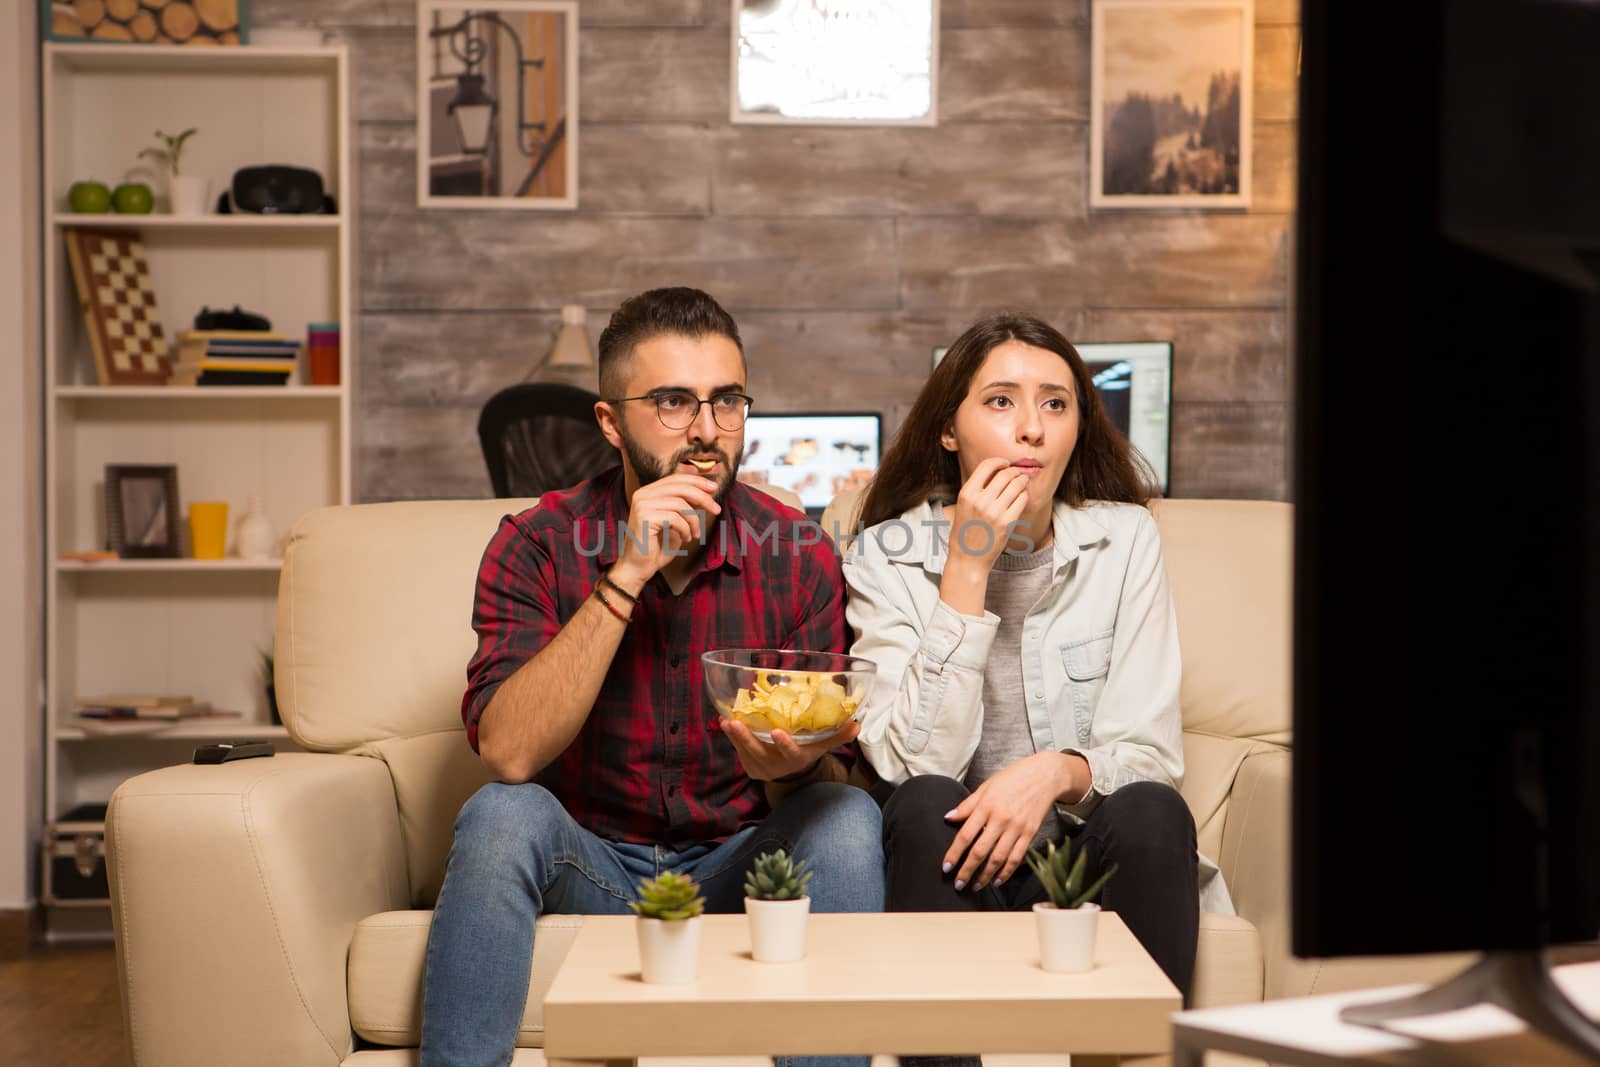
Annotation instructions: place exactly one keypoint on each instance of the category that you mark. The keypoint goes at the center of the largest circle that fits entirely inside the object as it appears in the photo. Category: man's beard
(649, 469)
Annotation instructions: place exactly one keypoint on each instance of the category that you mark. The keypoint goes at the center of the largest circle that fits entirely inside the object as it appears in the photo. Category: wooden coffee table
(901, 983)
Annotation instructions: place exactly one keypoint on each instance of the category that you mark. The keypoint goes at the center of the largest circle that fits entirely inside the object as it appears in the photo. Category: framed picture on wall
(835, 62)
(142, 511)
(1169, 100)
(497, 104)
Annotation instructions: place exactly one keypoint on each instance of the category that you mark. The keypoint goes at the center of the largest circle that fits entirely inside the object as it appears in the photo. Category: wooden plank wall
(846, 255)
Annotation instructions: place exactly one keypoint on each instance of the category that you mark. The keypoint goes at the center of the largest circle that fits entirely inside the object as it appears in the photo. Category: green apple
(133, 198)
(89, 198)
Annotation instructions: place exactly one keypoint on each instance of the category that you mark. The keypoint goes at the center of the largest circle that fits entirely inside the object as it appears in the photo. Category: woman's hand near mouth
(980, 526)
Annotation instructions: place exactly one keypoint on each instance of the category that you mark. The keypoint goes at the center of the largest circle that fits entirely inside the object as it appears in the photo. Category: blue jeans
(518, 855)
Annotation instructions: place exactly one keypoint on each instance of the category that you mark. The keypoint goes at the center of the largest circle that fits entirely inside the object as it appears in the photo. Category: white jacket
(1100, 659)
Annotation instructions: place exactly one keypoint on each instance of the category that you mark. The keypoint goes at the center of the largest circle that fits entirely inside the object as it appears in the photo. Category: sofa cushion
(839, 518)
(353, 573)
(1227, 963)
(385, 975)
(433, 774)
(1230, 565)
(1210, 766)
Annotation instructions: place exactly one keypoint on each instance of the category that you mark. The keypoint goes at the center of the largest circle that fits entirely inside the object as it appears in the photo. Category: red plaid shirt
(649, 763)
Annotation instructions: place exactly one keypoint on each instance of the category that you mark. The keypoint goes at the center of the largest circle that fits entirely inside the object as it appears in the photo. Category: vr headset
(276, 190)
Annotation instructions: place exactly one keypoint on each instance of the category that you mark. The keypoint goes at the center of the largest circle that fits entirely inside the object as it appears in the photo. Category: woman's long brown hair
(917, 467)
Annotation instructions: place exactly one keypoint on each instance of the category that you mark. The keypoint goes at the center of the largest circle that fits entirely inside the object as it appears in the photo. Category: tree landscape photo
(1172, 101)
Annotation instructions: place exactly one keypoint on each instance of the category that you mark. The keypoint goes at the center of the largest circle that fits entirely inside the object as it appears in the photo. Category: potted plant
(669, 908)
(1067, 921)
(186, 192)
(776, 901)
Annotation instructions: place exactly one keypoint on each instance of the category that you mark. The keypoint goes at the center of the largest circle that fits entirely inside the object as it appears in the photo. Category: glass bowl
(809, 695)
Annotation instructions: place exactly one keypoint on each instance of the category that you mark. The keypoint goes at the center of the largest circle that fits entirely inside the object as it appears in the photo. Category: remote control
(228, 751)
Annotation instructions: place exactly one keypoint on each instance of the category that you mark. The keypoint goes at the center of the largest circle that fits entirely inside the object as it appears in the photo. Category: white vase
(669, 950)
(187, 193)
(777, 929)
(1066, 936)
(255, 537)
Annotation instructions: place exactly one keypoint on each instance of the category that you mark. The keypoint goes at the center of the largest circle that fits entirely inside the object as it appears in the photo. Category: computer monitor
(814, 454)
(1134, 380)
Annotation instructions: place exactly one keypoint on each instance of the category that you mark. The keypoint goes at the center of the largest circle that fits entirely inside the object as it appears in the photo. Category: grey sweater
(1015, 585)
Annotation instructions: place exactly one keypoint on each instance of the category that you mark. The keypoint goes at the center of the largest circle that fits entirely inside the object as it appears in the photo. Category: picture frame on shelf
(198, 22)
(795, 62)
(497, 104)
(142, 510)
(1170, 103)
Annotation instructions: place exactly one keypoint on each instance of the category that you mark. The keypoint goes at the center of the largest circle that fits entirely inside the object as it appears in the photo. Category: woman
(1010, 587)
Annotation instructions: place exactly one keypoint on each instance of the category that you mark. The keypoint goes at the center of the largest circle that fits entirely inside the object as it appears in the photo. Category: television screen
(814, 454)
(1447, 497)
(1134, 380)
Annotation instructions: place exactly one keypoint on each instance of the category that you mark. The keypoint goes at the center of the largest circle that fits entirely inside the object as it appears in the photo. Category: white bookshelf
(224, 730)
(146, 566)
(220, 223)
(186, 625)
(165, 393)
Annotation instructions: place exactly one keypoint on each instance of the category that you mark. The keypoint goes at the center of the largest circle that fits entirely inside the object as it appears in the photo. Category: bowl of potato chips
(808, 695)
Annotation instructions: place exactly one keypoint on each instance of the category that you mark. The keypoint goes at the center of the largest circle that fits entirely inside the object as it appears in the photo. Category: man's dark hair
(678, 310)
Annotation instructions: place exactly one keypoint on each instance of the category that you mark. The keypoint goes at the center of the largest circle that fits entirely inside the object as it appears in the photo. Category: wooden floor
(60, 1006)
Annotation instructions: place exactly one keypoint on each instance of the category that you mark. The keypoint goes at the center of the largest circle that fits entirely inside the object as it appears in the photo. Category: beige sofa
(276, 910)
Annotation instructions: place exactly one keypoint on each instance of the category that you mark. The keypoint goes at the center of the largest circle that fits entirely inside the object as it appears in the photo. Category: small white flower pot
(777, 929)
(187, 193)
(669, 950)
(1066, 936)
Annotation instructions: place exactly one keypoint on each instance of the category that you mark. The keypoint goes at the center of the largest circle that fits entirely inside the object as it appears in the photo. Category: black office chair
(539, 436)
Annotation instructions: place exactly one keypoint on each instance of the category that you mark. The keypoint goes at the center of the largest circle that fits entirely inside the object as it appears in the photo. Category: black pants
(1145, 828)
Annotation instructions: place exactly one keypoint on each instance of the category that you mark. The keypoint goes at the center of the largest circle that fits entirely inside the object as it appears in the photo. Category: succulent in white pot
(669, 908)
(775, 900)
(1067, 921)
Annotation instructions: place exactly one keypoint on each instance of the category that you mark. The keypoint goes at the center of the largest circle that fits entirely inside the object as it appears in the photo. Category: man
(584, 696)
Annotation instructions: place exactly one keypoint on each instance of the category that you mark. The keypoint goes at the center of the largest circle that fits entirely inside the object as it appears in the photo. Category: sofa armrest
(1255, 862)
(235, 889)
(1255, 855)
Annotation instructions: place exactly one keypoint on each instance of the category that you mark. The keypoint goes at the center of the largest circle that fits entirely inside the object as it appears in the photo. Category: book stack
(141, 706)
(233, 357)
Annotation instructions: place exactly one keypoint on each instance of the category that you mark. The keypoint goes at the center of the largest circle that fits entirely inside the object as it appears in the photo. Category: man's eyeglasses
(678, 408)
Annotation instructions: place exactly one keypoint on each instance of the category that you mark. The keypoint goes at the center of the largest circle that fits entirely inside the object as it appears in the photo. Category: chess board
(119, 306)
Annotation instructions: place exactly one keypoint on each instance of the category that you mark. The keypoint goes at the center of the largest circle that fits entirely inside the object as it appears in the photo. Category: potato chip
(795, 702)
